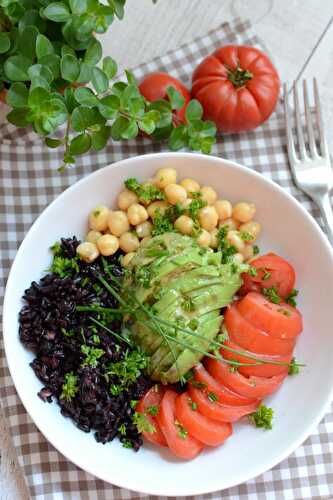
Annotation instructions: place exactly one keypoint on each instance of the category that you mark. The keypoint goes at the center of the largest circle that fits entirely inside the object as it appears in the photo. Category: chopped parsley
(126, 371)
(192, 404)
(69, 387)
(153, 410)
(182, 432)
(212, 397)
(252, 271)
(145, 192)
(256, 249)
(246, 236)
(133, 403)
(293, 367)
(142, 423)
(290, 299)
(67, 333)
(227, 250)
(126, 443)
(143, 276)
(92, 355)
(194, 207)
(272, 294)
(122, 429)
(95, 338)
(263, 417)
(188, 304)
(162, 223)
(63, 266)
(198, 385)
(266, 275)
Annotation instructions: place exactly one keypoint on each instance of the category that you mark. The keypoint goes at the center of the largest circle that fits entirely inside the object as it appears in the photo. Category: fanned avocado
(184, 287)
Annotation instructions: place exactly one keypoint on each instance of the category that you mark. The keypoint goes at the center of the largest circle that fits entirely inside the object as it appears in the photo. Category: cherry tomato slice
(186, 447)
(204, 429)
(252, 387)
(216, 411)
(279, 320)
(151, 399)
(265, 370)
(251, 338)
(225, 395)
(272, 270)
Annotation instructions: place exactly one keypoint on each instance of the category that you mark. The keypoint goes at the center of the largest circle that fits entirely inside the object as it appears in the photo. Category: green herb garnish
(122, 429)
(252, 271)
(69, 387)
(256, 250)
(212, 397)
(182, 432)
(272, 294)
(153, 410)
(246, 236)
(145, 192)
(263, 417)
(92, 355)
(142, 423)
(63, 266)
(293, 367)
(227, 250)
(290, 299)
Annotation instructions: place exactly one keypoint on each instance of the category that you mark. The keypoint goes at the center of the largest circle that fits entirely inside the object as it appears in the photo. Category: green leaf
(85, 73)
(16, 68)
(37, 97)
(176, 99)
(52, 143)
(194, 111)
(99, 80)
(80, 144)
(31, 18)
(69, 67)
(39, 81)
(52, 61)
(78, 7)
(147, 125)
(57, 12)
(43, 46)
(17, 95)
(18, 117)
(178, 138)
(86, 97)
(118, 6)
(110, 67)
(66, 49)
(118, 127)
(27, 42)
(100, 138)
(118, 88)
(109, 106)
(84, 117)
(131, 78)
(94, 53)
(38, 70)
(4, 42)
(131, 131)
(206, 144)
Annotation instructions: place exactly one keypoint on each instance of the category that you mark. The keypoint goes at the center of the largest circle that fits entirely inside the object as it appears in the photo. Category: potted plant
(56, 79)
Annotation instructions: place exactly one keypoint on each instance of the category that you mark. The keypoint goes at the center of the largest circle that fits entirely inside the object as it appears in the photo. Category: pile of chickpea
(132, 224)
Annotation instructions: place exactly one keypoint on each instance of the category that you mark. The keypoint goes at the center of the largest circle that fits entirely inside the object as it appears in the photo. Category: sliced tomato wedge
(215, 410)
(251, 338)
(279, 320)
(204, 429)
(152, 399)
(225, 395)
(182, 445)
(250, 387)
(264, 370)
(272, 271)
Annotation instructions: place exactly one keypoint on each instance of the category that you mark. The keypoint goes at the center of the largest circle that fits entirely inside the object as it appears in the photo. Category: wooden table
(299, 35)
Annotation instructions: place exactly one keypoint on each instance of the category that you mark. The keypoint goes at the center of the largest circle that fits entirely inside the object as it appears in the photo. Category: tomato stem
(239, 77)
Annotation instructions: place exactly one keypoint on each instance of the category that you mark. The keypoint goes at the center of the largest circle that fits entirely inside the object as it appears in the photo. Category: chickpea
(243, 212)
(204, 238)
(247, 252)
(231, 223)
(213, 238)
(208, 217)
(127, 258)
(208, 194)
(93, 236)
(175, 193)
(118, 222)
(238, 258)
(87, 251)
(252, 227)
(162, 206)
(98, 218)
(136, 214)
(108, 244)
(190, 186)
(129, 242)
(126, 198)
(223, 209)
(165, 176)
(146, 238)
(234, 238)
(184, 224)
(144, 229)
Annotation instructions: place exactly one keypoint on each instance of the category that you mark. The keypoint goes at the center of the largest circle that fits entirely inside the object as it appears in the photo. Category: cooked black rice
(51, 327)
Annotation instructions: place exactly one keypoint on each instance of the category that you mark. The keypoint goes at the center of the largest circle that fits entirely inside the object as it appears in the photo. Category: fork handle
(324, 205)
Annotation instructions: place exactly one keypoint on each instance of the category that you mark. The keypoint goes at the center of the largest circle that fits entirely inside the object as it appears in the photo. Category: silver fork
(310, 165)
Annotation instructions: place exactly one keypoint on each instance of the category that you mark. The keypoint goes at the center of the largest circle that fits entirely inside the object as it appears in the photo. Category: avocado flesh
(187, 286)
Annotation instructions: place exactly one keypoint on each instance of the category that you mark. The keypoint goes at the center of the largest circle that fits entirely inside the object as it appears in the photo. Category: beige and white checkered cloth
(29, 182)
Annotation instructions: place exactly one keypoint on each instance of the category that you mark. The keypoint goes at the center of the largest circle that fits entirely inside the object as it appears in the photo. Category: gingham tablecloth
(30, 181)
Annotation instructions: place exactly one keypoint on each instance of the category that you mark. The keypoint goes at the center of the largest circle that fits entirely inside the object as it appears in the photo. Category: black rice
(50, 326)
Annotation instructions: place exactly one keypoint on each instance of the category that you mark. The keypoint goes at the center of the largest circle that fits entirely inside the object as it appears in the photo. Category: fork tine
(310, 131)
(290, 143)
(323, 142)
(299, 129)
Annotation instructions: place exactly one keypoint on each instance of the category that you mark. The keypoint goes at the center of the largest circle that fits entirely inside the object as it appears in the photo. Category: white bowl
(299, 405)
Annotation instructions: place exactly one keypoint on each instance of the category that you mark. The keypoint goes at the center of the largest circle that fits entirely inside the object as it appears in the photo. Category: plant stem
(119, 337)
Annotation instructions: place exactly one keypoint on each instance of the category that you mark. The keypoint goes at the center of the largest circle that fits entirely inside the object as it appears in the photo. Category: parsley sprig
(263, 417)
(70, 386)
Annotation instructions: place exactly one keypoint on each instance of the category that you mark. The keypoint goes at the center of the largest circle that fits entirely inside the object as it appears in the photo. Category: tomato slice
(265, 370)
(204, 429)
(252, 387)
(186, 447)
(279, 320)
(225, 395)
(152, 398)
(272, 270)
(251, 338)
(217, 411)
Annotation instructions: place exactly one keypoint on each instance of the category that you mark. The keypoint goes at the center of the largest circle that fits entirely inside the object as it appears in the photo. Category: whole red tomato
(237, 86)
(154, 87)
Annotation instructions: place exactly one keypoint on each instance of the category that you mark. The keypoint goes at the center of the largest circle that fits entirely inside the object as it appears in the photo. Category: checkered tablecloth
(30, 181)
